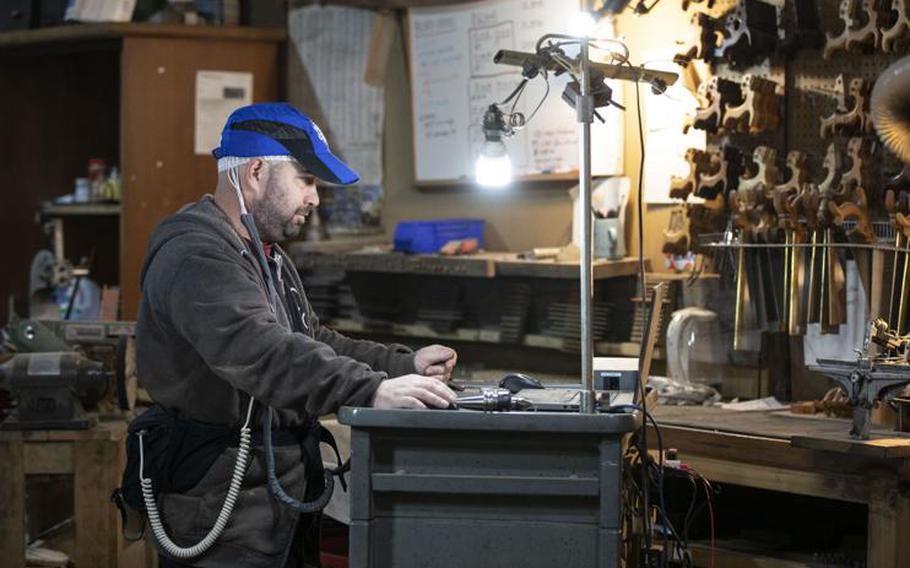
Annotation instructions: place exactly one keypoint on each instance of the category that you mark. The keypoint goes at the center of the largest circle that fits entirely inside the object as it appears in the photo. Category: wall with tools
(793, 170)
(792, 173)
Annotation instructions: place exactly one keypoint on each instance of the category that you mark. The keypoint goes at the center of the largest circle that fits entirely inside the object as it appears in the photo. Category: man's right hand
(412, 391)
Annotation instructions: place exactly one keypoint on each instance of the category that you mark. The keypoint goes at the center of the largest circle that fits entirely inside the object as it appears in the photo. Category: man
(225, 333)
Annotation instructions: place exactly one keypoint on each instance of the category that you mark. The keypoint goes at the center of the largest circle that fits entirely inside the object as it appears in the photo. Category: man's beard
(273, 222)
(272, 225)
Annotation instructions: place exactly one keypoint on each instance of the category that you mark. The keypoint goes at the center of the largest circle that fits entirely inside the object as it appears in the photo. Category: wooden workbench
(805, 456)
(95, 459)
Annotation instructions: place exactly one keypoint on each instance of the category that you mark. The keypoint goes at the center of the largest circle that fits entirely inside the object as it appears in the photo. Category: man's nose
(311, 195)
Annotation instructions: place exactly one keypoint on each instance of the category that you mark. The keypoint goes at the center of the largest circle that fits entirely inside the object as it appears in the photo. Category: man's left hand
(436, 361)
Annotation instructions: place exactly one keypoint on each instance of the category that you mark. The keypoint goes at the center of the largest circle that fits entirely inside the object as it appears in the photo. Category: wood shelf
(102, 31)
(136, 83)
(481, 265)
(80, 209)
(538, 341)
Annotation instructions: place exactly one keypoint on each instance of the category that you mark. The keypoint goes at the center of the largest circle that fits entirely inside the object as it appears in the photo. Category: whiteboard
(454, 80)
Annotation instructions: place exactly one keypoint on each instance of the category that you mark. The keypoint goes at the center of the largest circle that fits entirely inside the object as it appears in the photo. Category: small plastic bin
(430, 236)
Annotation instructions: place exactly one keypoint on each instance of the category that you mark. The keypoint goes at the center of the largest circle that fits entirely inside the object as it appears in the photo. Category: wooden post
(12, 503)
(889, 525)
(97, 466)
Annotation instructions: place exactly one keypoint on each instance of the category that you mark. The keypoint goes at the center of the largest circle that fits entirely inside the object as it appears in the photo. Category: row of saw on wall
(795, 183)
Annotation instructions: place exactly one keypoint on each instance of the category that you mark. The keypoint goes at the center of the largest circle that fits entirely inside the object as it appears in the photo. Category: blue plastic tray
(430, 236)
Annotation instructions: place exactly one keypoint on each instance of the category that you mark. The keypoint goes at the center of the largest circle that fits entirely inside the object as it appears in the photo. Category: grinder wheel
(125, 379)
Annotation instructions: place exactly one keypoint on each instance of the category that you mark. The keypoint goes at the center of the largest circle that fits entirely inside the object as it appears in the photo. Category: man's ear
(254, 174)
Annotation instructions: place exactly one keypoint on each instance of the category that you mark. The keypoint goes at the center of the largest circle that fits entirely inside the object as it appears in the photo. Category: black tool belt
(177, 453)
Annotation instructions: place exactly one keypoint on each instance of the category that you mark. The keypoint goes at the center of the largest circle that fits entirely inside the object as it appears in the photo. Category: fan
(890, 108)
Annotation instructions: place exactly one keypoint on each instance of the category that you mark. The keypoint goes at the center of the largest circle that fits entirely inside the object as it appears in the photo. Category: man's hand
(412, 391)
(436, 361)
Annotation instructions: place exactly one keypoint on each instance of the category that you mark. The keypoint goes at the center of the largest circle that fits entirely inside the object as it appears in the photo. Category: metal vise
(871, 378)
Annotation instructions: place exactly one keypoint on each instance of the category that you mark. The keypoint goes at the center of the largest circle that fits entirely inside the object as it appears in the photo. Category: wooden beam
(828, 485)
(103, 31)
(12, 496)
(51, 458)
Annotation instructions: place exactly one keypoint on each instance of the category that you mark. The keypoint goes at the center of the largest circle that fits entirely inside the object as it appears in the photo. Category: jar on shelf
(97, 169)
(83, 191)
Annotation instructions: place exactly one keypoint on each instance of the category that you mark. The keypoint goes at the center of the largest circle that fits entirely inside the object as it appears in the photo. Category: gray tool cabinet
(444, 489)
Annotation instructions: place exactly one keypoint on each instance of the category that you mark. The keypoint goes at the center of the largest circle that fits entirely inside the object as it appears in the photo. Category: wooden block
(806, 407)
(12, 497)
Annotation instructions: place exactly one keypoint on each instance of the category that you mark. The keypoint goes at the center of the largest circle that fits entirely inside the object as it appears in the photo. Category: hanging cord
(233, 492)
(275, 487)
(250, 225)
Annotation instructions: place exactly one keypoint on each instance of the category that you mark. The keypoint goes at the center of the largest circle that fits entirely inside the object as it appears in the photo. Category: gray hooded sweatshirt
(205, 333)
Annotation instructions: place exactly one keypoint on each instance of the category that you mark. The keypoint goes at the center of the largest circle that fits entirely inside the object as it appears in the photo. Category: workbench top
(815, 432)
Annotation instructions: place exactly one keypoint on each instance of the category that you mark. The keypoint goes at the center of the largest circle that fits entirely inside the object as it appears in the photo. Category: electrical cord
(644, 293)
(709, 490)
(542, 99)
(668, 528)
(233, 492)
(275, 486)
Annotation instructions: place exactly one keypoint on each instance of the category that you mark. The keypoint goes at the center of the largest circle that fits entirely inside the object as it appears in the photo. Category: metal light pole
(584, 108)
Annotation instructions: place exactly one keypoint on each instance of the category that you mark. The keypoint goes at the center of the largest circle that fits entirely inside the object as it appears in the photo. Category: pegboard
(807, 81)
(768, 69)
(811, 96)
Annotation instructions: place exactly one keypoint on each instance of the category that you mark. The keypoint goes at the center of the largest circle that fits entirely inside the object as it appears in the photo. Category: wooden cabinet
(125, 93)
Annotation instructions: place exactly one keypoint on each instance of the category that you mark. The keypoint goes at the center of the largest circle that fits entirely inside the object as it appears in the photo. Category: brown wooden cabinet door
(161, 171)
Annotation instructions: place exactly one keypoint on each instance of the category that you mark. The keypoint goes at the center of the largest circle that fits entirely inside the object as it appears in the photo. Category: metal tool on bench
(493, 399)
(52, 389)
(54, 383)
(871, 377)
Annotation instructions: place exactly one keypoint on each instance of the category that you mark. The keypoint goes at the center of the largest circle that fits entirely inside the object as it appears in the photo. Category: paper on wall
(666, 116)
(99, 10)
(334, 46)
(218, 94)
